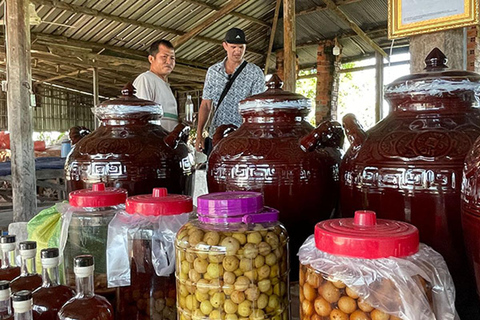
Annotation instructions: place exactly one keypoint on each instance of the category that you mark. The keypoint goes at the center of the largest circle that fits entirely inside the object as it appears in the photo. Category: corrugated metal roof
(91, 31)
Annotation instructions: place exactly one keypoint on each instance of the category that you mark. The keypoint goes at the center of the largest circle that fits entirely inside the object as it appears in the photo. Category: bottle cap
(8, 239)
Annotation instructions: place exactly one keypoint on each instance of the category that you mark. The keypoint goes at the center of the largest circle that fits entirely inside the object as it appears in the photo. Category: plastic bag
(406, 298)
(124, 228)
(45, 229)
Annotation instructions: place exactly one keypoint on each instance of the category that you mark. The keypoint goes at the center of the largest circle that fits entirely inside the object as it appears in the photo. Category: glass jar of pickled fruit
(232, 262)
(141, 254)
(362, 268)
(84, 230)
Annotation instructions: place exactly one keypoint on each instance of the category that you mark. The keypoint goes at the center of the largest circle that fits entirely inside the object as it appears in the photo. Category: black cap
(22, 295)
(8, 239)
(83, 261)
(235, 36)
(4, 284)
(49, 253)
(27, 245)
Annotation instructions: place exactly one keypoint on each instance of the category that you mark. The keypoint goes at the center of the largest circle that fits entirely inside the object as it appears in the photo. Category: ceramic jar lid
(436, 81)
(275, 97)
(128, 106)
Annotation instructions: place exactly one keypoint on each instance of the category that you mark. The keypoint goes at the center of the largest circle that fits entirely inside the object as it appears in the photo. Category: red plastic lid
(159, 203)
(366, 237)
(98, 196)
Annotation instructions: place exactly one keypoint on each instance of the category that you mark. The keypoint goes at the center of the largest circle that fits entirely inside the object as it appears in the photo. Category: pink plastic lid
(366, 237)
(98, 196)
(234, 207)
(159, 203)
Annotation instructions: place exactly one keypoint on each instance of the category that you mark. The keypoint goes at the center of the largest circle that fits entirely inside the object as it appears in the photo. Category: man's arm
(203, 112)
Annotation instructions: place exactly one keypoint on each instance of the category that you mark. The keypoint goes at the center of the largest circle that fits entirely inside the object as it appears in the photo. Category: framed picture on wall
(411, 17)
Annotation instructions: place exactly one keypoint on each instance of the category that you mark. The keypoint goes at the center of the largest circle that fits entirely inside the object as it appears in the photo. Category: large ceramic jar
(471, 208)
(408, 167)
(128, 151)
(276, 152)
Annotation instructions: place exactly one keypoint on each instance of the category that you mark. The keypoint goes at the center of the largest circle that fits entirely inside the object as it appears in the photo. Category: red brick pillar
(325, 80)
(473, 49)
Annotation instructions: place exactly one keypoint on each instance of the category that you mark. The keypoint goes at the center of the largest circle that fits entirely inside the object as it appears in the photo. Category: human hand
(199, 143)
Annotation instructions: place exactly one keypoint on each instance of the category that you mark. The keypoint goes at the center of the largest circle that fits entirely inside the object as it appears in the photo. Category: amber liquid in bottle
(7, 271)
(6, 312)
(51, 296)
(85, 305)
(29, 279)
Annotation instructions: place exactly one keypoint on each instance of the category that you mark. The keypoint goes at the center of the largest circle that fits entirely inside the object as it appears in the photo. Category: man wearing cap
(152, 84)
(249, 81)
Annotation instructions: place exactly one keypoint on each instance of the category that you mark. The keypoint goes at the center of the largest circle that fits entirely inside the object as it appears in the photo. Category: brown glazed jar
(408, 167)
(127, 151)
(276, 152)
(471, 208)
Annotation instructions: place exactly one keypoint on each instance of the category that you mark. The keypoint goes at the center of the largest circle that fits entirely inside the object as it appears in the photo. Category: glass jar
(364, 268)
(143, 266)
(232, 262)
(85, 227)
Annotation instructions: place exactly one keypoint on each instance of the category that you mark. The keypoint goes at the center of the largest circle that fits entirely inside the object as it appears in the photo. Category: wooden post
(378, 87)
(96, 100)
(272, 34)
(19, 89)
(451, 42)
(289, 42)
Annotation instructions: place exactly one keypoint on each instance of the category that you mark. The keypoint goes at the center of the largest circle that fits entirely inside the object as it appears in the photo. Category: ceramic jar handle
(327, 134)
(176, 135)
(223, 131)
(354, 131)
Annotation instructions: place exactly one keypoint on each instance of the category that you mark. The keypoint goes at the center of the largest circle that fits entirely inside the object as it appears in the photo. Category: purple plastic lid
(234, 207)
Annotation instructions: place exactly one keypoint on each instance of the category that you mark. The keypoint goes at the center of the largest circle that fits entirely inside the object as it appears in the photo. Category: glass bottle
(29, 279)
(8, 271)
(51, 296)
(5, 303)
(85, 305)
(22, 305)
(189, 109)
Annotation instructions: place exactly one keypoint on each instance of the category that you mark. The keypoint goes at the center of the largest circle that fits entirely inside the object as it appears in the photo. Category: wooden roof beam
(98, 14)
(332, 6)
(235, 14)
(229, 7)
(50, 39)
(324, 7)
(67, 75)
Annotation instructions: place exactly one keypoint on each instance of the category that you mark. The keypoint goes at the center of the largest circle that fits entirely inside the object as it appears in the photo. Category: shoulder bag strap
(230, 82)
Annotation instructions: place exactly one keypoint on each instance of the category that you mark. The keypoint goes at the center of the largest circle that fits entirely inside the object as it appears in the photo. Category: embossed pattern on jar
(408, 166)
